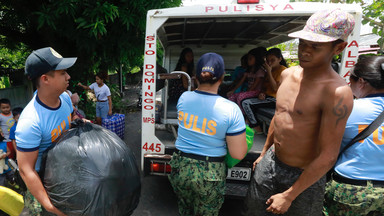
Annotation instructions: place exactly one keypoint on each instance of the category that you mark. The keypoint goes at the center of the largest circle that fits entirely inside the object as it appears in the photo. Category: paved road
(157, 197)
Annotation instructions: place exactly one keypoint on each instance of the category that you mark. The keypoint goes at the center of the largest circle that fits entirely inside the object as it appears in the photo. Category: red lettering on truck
(239, 9)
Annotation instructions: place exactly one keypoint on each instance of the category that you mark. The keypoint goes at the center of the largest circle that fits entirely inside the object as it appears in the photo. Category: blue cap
(46, 59)
(212, 63)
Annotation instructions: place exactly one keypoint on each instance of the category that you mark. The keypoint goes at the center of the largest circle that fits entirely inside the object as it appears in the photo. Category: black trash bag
(91, 171)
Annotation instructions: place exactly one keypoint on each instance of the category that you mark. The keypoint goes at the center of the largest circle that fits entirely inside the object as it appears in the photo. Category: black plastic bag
(91, 171)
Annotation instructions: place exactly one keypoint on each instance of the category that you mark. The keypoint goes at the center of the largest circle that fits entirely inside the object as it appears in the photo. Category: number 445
(152, 147)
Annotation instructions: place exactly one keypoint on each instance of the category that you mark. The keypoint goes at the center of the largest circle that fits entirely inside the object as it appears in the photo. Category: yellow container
(11, 202)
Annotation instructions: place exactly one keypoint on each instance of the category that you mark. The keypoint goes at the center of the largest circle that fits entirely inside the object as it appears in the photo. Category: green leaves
(374, 15)
(101, 33)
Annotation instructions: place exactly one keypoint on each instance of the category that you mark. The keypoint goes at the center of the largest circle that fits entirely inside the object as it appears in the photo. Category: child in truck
(253, 78)
(267, 98)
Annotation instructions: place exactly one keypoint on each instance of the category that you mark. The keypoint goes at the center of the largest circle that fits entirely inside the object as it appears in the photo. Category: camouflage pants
(33, 206)
(199, 185)
(345, 199)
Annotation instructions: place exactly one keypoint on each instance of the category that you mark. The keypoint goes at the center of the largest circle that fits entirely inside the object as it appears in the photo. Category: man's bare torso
(298, 115)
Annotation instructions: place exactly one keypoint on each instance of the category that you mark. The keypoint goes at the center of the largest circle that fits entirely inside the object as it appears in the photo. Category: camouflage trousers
(199, 185)
(345, 199)
(33, 206)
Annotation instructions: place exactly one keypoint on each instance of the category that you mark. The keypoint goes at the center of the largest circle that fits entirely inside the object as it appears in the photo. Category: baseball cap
(46, 59)
(212, 63)
(327, 26)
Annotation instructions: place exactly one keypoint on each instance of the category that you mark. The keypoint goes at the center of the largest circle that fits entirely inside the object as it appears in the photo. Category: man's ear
(44, 78)
(339, 48)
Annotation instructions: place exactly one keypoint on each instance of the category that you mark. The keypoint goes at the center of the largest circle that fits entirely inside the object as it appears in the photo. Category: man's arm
(268, 142)
(27, 161)
(83, 86)
(14, 144)
(335, 113)
(110, 105)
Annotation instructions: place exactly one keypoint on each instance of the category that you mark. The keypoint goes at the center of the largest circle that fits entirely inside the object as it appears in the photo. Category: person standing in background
(103, 97)
(16, 112)
(6, 122)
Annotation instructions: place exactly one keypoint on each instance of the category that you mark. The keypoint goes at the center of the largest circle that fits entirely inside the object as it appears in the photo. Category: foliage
(374, 15)
(292, 63)
(119, 105)
(102, 33)
(13, 58)
(11, 61)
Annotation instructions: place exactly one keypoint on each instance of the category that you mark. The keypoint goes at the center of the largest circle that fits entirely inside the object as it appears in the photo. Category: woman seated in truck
(267, 98)
(253, 77)
(186, 64)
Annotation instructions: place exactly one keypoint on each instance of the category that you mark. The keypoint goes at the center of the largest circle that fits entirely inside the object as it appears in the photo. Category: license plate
(239, 173)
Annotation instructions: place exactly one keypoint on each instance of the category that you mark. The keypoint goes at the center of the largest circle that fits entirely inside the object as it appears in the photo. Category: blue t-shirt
(12, 132)
(40, 125)
(3, 146)
(364, 159)
(204, 121)
(239, 72)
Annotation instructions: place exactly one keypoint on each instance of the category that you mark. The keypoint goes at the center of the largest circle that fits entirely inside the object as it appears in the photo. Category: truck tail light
(160, 167)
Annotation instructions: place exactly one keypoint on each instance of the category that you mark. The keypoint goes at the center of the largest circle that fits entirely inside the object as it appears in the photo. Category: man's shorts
(347, 199)
(272, 177)
(199, 185)
(102, 109)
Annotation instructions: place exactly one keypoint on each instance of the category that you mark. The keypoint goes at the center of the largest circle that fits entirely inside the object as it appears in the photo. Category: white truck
(230, 30)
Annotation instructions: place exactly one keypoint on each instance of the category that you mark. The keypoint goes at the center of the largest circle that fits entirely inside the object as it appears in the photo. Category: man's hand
(257, 161)
(267, 67)
(110, 112)
(262, 96)
(279, 203)
(57, 212)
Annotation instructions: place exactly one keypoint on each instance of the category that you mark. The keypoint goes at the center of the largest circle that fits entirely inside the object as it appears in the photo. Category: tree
(374, 15)
(103, 34)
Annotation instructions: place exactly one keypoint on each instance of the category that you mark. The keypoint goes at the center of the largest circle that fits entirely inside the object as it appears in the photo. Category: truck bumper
(236, 187)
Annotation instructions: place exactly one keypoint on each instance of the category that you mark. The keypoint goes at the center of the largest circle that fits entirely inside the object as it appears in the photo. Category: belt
(102, 101)
(201, 157)
(359, 182)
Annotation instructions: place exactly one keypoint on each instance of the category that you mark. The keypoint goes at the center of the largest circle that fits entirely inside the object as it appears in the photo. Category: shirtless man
(313, 105)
